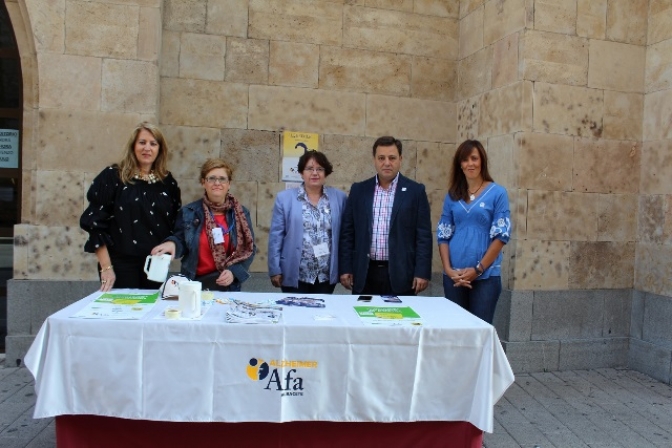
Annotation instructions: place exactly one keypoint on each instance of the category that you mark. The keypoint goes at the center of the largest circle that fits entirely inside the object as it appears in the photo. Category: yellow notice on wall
(294, 145)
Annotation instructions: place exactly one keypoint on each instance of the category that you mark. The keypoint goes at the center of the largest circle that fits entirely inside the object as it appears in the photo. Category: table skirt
(92, 431)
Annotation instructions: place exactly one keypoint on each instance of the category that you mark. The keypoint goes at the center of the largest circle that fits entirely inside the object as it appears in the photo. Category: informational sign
(9, 148)
(387, 315)
(294, 145)
(119, 306)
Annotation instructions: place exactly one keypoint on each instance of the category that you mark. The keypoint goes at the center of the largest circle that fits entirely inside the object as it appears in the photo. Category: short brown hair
(387, 140)
(319, 157)
(213, 164)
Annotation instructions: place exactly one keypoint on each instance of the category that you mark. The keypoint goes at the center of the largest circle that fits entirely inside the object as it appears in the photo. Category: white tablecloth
(452, 368)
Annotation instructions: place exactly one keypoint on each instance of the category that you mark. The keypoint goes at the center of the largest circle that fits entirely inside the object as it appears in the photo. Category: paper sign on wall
(294, 145)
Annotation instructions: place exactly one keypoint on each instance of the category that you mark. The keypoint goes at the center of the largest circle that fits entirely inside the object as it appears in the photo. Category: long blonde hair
(129, 164)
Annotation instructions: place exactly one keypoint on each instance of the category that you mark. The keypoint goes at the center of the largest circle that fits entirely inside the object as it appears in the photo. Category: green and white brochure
(388, 315)
(119, 306)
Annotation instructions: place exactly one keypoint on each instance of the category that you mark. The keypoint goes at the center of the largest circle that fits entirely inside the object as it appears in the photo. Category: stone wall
(559, 101)
(569, 97)
(654, 231)
(651, 343)
(234, 74)
(224, 78)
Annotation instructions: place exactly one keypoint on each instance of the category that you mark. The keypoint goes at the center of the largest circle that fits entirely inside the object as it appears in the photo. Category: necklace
(150, 178)
(472, 195)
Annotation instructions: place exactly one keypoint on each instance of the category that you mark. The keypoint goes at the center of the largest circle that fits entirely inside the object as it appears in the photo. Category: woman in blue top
(474, 227)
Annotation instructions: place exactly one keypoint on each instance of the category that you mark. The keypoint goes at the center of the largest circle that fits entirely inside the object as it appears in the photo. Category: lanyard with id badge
(218, 233)
(322, 249)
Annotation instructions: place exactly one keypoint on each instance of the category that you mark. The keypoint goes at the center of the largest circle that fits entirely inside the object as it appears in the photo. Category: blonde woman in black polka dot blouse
(132, 208)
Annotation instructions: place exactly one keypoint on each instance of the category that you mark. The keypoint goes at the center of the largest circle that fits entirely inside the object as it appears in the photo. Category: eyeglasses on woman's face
(318, 169)
(216, 180)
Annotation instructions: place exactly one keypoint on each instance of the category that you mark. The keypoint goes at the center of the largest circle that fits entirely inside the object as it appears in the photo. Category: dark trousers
(308, 288)
(378, 281)
(129, 272)
(480, 300)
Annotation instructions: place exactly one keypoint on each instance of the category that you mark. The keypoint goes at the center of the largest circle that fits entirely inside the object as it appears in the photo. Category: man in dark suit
(386, 236)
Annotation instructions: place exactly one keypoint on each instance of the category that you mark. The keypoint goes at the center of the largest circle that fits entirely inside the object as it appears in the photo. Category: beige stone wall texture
(224, 78)
(572, 99)
(654, 218)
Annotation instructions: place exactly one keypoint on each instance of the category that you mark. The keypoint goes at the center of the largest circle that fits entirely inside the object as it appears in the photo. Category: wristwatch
(479, 269)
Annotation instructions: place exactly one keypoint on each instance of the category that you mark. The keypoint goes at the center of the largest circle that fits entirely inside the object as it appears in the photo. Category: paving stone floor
(602, 408)
(18, 429)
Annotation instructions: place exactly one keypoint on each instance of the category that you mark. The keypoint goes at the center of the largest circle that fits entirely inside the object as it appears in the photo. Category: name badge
(321, 250)
(217, 235)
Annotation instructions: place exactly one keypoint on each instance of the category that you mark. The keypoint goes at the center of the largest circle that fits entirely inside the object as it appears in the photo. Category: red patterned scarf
(244, 244)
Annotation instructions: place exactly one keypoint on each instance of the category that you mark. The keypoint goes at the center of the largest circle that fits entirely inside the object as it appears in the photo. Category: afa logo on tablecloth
(289, 383)
(257, 369)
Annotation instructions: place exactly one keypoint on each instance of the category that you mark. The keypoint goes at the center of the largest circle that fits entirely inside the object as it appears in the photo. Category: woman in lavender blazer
(305, 228)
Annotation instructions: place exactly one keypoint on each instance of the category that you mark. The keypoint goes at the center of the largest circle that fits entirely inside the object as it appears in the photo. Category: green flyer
(127, 299)
(378, 313)
(119, 306)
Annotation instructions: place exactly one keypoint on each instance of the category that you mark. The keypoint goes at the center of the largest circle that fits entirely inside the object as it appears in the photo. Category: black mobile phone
(364, 298)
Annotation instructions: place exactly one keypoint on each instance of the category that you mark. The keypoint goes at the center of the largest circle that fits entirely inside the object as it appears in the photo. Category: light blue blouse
(468, 229)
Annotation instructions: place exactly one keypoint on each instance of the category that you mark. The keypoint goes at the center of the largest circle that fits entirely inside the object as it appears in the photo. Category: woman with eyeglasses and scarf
(305, 228)
(213, 235)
